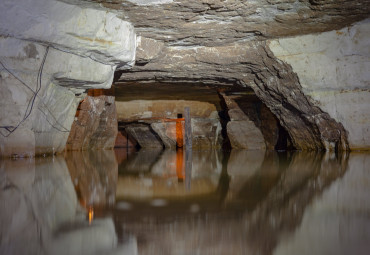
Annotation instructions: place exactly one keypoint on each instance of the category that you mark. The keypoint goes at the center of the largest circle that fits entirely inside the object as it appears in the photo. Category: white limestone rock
(42, 112)
(72, 48)
(78, 29)
(333, 69)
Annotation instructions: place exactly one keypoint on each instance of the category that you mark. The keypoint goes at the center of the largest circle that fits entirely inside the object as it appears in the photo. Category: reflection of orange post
(91, 214)
(179, 165)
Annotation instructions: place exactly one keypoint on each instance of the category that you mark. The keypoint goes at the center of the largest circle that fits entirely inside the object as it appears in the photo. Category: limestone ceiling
(219, 41)
(219, 22)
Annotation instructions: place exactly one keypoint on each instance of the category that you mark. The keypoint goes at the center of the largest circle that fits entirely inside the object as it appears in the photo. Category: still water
(153, 202)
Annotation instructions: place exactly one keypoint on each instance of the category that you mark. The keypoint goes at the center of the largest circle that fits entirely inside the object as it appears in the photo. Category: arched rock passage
(250, 65)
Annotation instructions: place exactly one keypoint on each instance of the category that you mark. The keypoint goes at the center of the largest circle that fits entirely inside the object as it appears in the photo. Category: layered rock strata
(217, 22)
(95, 125)
(50, 52)
(241, 131)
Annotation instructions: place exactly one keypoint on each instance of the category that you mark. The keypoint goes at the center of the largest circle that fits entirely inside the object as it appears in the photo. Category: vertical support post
(188, 148)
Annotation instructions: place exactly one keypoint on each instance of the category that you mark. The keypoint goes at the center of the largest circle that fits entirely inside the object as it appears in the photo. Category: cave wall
(95, 124)
(333, 69)
(50, 53)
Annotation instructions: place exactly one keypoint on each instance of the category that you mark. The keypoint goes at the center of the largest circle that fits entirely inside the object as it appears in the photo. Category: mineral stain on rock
(31, 51)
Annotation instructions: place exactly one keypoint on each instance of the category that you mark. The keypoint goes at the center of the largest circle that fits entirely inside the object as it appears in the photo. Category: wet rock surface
(241, 131)
(95, 125)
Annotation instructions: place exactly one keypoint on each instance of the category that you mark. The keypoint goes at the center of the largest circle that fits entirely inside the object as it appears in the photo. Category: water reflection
(40, 212)
(239, 202)
(161, 174)
(94, 175)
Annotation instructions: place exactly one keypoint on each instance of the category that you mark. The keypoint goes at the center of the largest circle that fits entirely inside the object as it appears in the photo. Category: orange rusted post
(179, 134)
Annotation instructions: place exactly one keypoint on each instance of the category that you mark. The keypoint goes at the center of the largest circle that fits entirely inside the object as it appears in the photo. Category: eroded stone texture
(123, 140)
(50, 52)
(144, 135)
(217, 22)
(261, 116)
(308, 126)
(167, 132)
(80, 29)
(333, 68)
(95, 125)
(241, 131)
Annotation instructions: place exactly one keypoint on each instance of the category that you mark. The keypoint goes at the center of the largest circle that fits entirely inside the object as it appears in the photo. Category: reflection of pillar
(180, 164)
(188, 148)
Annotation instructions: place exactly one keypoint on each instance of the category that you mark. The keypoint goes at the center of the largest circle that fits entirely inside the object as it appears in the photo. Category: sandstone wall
(95, 124)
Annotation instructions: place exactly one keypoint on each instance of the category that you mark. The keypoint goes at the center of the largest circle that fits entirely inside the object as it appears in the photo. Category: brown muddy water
(153, 202)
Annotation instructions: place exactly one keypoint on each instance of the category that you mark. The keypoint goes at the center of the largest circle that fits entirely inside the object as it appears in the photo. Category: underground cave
(184, 127)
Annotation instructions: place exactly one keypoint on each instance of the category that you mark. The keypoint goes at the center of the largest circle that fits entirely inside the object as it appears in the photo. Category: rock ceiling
(220, 22)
